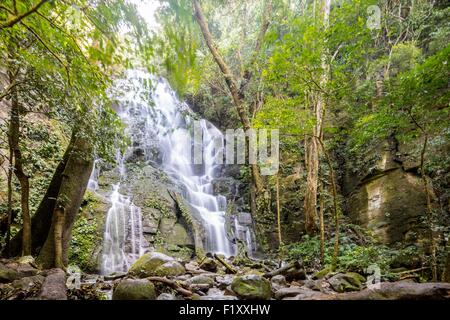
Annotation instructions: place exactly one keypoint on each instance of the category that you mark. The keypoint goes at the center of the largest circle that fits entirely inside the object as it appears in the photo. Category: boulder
(224, 281)
(134, 289)
(251, 287)
(54, 286)
(278, 282)
(217, 297)
(166, 296)
(323, 273)
(27, 283)
(156, 264)
(201, 279)
(170, 268)
(295, 293)
(7, 274)
(345, 282)
(209, 264)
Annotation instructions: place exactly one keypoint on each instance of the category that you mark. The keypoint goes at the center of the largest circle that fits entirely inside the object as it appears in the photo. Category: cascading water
(160, 127)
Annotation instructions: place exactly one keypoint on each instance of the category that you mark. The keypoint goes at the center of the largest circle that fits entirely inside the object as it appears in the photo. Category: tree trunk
(9, 204)
(14, 138)
(446, 273)
(74, 182)
(42, 219)
(278, 211)
(313, 152)
(231, 83)
(322, 225)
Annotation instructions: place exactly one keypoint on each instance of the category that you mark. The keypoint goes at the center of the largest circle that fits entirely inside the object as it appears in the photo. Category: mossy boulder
(134, 289)
(251, 287)
(156, 264)
(170, 268)
(345, 282)
(7, 274)
(323, 273)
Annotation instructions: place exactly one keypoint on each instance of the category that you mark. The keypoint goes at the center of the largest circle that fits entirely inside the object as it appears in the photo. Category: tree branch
(20, 17)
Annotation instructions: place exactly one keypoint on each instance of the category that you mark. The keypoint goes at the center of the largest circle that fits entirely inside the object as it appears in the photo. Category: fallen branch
(411, 271)
(226, 265)
(295, 264)
(172, 284)
(394, 291)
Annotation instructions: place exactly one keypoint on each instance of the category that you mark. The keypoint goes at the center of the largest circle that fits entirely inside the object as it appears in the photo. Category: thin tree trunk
(14, 139)
(322, 226)
(9, 204)
(429, 209)
(313, 152)
(335, 201)
(231, 83)
(278, 211)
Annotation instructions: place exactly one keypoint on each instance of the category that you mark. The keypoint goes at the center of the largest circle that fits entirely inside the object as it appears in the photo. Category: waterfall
(160, 128)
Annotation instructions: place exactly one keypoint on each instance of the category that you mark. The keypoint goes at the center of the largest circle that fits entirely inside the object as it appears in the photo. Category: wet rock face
(165, 229)
(384, 197)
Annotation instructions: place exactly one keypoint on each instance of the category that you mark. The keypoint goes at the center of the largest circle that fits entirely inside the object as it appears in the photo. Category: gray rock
(344, 282)
(300, 292)
(201, 279)
(218, 297)
(7, 274)
(166, 296)
(278, 282)
(54, 286)
(28, 283)
(224, 281)
(209, 264)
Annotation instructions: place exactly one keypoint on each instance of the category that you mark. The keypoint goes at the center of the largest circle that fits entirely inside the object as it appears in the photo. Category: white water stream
(160, 125)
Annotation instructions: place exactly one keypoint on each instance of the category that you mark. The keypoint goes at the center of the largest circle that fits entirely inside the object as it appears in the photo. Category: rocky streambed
(156, 276)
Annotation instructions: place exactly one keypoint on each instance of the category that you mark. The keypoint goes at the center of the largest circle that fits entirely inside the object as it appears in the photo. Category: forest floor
(214, 278)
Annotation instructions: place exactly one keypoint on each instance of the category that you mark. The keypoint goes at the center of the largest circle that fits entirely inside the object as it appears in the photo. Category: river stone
(166, 296)
(201, 279)
(217, 297)
(251, 287)
(345, 282)
(134, 289)
(303, 294)
(7, 274)
(156, 264)
(224, 281)
(278, 282)
(294, 292)
(170, 268)
(209, 264)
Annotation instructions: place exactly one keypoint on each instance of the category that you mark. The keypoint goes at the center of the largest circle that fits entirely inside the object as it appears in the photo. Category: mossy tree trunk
(74, 182)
